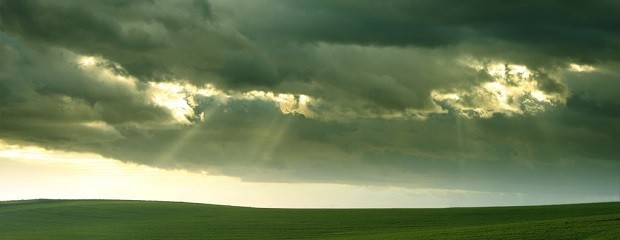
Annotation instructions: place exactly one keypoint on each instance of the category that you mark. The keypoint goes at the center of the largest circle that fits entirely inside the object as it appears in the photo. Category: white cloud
(513, 90)
(573, 67)
(177, 98)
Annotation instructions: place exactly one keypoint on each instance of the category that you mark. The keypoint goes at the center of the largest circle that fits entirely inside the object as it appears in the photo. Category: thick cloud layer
(581, 30)
(470, 95)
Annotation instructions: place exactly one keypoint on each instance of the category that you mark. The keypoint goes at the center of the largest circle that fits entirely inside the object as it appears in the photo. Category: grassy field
(112, 219)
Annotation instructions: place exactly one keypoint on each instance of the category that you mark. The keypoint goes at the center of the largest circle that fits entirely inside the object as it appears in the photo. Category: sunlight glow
(103, 70)
(540, 96)
(180, 99)
(512, 91)
(573, 67)
(287, 103)
(87, 61)
(498, 90)
(175, 97)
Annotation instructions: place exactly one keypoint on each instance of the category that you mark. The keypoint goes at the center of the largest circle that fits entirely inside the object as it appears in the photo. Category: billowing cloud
(473, 96)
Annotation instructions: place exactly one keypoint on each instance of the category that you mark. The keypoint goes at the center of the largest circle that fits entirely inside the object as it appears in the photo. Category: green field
(112, 219)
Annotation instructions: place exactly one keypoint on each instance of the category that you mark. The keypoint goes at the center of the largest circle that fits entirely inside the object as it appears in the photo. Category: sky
(311, 103)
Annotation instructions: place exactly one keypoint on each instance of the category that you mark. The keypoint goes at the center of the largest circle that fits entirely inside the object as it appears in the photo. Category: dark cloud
(581, 30)
(47, 98)
(243, 71)
(148, 38)
(251, 45)
(407, 93)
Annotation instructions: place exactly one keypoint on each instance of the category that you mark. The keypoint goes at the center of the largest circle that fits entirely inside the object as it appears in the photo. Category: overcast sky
(468, 96)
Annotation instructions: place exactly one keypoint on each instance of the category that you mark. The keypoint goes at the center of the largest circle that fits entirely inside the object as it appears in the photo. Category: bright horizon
(311, 104)
(70, 175)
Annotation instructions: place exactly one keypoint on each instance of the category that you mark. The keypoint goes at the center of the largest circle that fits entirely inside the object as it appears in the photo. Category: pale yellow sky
(32, 172)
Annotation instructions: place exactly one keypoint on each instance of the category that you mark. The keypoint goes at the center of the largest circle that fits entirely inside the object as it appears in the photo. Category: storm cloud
(474, 95)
